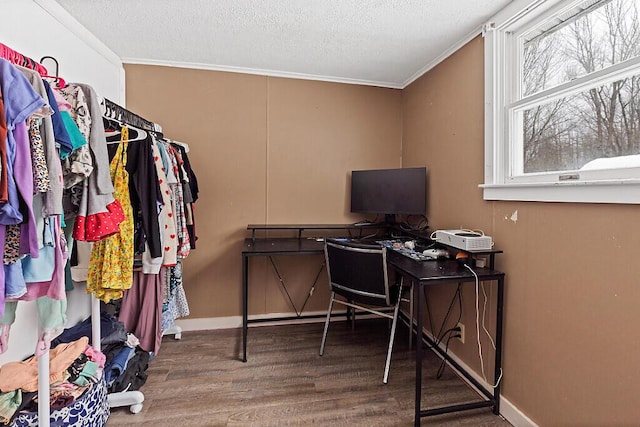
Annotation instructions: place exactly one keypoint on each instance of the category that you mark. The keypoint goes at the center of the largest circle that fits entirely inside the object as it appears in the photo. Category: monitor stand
(390, 219)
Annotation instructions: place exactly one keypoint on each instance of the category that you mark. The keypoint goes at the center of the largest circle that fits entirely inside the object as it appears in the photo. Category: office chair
(358, 273)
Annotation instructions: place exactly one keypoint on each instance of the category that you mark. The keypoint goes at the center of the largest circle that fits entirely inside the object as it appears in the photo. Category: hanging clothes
(79, 165)
(191, 196)
(53, 196)
(141, 310)
(146, 198)
(175, 185)
(111, 261)
(174, 303)
(41, 179)
(3, 153)
(167, 214)
(35, 252)
(19, 101)
(99, 214)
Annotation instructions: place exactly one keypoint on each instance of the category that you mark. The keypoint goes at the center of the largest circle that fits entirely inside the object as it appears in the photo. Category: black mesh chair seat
(358, 273)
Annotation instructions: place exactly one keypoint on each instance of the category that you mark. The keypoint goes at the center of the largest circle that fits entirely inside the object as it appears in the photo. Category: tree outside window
(562, 101)
(599, 122)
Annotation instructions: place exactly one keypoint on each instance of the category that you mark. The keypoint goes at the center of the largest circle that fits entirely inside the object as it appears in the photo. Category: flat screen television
(389, 192)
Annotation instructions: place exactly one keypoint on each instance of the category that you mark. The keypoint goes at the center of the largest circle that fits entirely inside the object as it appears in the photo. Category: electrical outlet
(461, 326)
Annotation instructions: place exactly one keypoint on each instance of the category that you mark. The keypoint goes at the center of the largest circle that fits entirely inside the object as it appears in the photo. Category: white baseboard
(507, 409)
(515, 416)
(231, 322)
(209, 323)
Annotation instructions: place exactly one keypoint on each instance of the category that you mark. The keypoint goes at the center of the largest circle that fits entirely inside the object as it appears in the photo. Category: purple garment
(20, 102)
(10, 211)
(141, 309)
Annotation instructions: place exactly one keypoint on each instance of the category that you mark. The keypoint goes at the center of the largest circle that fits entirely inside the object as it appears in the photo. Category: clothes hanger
(182, 144)
(114, 131)
(59, 81)
(139, 134)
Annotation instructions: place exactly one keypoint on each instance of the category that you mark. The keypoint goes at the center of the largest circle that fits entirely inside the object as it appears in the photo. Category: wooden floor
(200, 381)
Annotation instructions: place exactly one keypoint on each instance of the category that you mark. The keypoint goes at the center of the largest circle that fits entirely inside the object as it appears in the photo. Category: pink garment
(141, 309)
(63, 104)
(95, 356)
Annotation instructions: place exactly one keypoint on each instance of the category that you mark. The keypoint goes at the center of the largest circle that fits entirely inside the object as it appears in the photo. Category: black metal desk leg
(416, 421)
(498, 361)
(245, 304)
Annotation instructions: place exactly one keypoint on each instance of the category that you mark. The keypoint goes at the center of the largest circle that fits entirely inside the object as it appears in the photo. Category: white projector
(464, 239)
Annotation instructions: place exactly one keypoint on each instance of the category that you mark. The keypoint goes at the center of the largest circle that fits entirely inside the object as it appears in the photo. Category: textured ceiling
(378, 42)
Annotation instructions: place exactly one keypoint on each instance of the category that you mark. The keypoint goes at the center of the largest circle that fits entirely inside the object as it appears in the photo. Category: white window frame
(501, 87)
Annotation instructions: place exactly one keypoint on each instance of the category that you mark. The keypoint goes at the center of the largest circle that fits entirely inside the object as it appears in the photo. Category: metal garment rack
(133, 399)
(121, 114)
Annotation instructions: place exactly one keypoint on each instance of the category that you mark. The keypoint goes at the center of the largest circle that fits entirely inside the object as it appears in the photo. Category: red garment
(4, 194)
(100, 225)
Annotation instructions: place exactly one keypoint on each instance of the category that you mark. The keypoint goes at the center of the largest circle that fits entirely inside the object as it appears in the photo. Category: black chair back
(358, 272)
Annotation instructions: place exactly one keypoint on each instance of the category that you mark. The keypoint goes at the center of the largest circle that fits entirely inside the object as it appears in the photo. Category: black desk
(301, 228)
(273, 246)
(429, 273)
(270, 247)
(422, 274)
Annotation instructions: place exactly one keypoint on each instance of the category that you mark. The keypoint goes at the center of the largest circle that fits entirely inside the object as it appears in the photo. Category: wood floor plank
(200, 381)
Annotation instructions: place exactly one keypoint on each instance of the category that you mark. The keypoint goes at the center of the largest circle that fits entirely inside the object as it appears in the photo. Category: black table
(431, 273)
(422, 274)
(271, 247)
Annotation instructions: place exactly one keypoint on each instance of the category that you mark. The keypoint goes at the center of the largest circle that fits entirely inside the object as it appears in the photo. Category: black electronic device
(389, 192)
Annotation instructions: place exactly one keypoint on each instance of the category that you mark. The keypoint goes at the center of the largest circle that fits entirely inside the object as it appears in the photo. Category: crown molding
(258, 71)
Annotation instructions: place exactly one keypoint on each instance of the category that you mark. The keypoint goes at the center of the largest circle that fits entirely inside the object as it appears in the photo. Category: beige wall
(570, 339)
(265, 150)
(279, 150)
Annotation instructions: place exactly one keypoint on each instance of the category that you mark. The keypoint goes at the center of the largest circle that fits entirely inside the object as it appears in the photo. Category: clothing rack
(121, 114)
(18, 58)
(133, 399)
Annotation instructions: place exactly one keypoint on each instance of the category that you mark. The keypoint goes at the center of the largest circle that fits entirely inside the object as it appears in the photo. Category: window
(563, 102)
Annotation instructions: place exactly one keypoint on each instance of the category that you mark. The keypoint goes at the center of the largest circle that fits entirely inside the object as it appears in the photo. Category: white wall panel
(36, 29)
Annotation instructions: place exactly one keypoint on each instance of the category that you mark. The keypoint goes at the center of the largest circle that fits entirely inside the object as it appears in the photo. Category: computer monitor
(389, 192)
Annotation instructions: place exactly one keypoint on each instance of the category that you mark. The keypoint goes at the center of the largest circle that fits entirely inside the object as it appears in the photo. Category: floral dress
(111, 261)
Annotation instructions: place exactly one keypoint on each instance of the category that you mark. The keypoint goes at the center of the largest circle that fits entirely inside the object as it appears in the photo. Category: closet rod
(121, 114)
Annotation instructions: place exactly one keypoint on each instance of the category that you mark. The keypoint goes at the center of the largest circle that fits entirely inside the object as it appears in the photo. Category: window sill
(614, 191)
